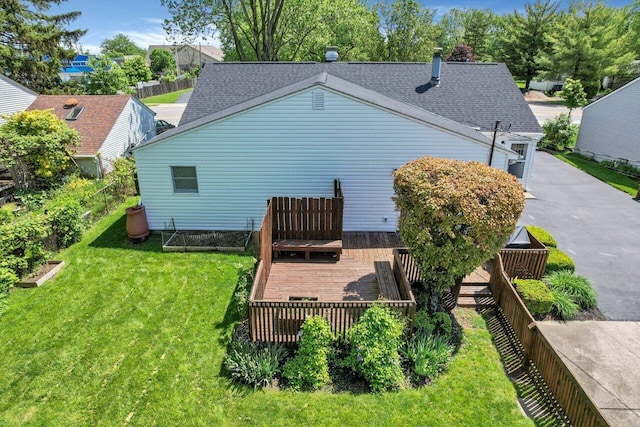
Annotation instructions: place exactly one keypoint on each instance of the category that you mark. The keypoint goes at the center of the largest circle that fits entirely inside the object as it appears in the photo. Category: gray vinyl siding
(285, 148)
(610, 127)
(14, 98)
(134, 125)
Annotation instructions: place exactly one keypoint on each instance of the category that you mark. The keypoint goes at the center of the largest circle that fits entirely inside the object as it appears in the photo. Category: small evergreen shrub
(254, 363)
(559, 133)
(310, 367)
(428, 354)
(535, 294)
(7, 279)
(563, 305)
(576, 287)
(374, 343)
(559, 260)
(433, 323)
(542, 235)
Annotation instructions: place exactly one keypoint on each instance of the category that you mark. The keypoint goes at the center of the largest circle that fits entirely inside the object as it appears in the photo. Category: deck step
(475, 289)
(475, 295)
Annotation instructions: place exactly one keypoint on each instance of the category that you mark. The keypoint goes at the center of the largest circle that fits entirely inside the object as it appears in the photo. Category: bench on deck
(307, 224)
(386, 281)
(307, 246)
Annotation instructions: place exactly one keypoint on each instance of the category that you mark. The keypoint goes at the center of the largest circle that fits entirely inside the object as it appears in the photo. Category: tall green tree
(525, 37)
(119, 46)
(162, 62)
(589, 42)
(107, 78)
(277, 30)
(408, 29)
(136, 70)
(37, 146)
(33, 44)
(473, 27)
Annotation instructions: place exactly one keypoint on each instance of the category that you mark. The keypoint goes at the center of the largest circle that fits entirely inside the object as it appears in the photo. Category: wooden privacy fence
(166, 87)
(525, 263)
(574, 401)
(307, 218)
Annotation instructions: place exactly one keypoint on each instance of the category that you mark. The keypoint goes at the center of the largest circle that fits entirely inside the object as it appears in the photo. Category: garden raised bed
(201, 241)
(46, 272)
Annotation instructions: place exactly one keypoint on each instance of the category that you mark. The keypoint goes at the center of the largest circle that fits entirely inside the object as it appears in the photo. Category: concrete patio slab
(605, 359)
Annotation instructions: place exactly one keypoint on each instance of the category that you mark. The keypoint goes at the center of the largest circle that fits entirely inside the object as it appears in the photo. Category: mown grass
(593, 168)
(129, 335)
(167, 98)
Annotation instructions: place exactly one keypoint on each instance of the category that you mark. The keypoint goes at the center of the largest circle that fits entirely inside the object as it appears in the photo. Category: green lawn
(167, 98)
(129, 335)
(593, 168)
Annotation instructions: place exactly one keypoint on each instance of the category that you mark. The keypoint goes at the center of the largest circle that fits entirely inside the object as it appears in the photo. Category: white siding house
(295, 145)
(14, 97)
(610, 127)
(109, 126)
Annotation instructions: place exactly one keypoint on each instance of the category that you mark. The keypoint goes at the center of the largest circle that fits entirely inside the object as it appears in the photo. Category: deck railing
(574, 401)
(307, 218)
(280, 321)
(525, 263)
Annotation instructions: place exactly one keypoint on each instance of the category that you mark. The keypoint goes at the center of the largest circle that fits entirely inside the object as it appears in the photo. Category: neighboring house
(190, 55)
(610, 126)
(76, 68)
(109, 126)
(15, 97)
(256, 130)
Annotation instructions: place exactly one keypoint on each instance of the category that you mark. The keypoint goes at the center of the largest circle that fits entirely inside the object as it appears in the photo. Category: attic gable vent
(75, 113)
(318, 101)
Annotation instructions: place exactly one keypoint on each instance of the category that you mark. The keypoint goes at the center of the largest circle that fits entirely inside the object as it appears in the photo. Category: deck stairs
(475, 292)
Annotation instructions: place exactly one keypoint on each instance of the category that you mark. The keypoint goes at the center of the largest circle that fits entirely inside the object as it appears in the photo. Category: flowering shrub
(310, 367)
(374, 343)
(454, 215)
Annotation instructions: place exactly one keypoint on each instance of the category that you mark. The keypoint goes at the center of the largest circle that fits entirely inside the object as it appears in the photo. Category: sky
(141, 20)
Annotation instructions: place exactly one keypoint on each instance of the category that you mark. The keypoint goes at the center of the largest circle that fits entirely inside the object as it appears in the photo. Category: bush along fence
(166, 87)
(55, 221)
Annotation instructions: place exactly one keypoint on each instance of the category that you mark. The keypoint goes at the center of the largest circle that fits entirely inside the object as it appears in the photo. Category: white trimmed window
(184, 179)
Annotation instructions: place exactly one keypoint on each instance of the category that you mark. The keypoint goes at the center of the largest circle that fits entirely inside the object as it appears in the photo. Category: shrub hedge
(310, 366)
(559, 260)
(542, 235)
(535, 294)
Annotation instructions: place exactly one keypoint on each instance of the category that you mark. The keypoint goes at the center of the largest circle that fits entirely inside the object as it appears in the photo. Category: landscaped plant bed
(46, 272)
(201, 241)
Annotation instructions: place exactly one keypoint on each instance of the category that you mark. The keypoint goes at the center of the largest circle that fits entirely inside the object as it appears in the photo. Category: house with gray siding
(610, 126)
(256, 130)
(15, 97)
(109, 126)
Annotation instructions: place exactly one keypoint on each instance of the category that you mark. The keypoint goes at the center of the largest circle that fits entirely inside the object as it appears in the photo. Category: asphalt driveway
(597, 225)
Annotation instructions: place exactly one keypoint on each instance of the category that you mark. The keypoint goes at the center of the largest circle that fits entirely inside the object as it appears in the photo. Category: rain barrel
(137, 226)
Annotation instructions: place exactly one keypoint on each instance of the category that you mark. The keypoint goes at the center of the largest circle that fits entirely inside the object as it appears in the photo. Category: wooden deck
(353, 278)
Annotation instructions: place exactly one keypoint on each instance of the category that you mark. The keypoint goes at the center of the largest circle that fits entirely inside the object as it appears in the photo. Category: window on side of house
(185, 179)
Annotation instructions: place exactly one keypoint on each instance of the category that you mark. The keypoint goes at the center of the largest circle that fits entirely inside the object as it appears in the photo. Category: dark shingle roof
(474, 94)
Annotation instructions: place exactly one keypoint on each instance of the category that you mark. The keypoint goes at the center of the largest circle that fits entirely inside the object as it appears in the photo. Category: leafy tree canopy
(36, 144)
(107, 78)
(33, 43)
(573, 94)
(408, 29)
(461, 53)
(136, 70)
(454, 215)
(119, 46)
(162, 61)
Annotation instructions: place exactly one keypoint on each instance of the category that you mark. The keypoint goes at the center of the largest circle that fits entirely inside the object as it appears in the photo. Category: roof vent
(331, 54)
(435, 67)
(318, 100)
(70, 103)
